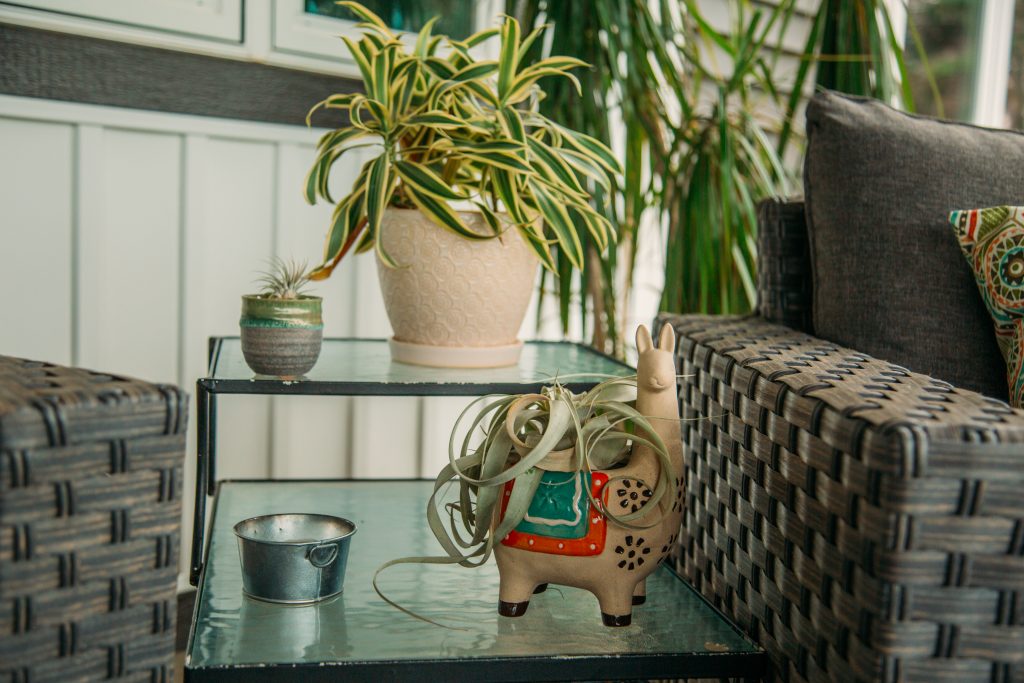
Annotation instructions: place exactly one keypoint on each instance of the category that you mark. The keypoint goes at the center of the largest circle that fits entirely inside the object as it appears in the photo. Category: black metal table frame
(748, 666)
(207, 389)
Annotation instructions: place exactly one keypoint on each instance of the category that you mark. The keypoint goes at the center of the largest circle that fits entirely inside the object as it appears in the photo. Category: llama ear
(667, 338)
(643, 339)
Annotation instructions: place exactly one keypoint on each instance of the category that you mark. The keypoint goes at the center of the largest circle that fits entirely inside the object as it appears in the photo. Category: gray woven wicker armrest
(861, 521)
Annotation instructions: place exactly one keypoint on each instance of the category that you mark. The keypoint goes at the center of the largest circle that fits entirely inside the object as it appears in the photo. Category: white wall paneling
(129, 237)
(37, 193)
(128, 255)
(385, 430)
(312, 434)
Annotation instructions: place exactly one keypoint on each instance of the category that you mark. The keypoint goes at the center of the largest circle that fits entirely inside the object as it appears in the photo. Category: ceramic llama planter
(564, 540)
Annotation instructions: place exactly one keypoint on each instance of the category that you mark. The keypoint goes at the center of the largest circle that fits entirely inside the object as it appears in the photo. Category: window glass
(950, 31)
(408, 15)
(1015, 94)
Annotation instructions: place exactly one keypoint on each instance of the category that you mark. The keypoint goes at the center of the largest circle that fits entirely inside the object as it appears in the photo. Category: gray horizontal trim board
(63, 66)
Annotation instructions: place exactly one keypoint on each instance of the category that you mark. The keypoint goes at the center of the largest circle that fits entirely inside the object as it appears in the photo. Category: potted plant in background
(469, 188)
(282, 328)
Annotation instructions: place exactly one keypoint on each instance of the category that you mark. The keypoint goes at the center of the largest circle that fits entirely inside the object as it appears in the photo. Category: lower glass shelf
(676, 634)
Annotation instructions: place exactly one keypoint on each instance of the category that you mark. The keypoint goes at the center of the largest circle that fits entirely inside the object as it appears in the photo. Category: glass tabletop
(364, 366)
(675, 634)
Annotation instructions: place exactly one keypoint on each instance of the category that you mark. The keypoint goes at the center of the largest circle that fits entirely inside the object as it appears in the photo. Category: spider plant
(449, 127)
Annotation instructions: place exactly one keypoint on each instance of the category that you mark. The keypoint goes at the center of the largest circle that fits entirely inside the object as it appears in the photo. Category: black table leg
(211, 446)
(202, 477)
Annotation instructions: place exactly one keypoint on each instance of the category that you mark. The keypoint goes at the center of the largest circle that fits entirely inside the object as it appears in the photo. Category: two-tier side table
(357, 636)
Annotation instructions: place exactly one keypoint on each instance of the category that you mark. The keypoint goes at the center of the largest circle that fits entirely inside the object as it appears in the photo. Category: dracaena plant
(450, 127)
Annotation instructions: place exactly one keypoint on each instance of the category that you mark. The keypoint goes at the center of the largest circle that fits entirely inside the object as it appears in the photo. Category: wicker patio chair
(90, 524)
(862, 522)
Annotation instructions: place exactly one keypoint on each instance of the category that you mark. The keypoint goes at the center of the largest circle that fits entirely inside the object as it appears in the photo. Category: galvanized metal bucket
(293, 558)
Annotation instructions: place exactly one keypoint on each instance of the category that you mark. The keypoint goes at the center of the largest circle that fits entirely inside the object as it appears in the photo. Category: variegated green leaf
(361, 60)
(474, 72)
(423, 38)
(593, 149)
(426, 181)
(585, 165)
(555, 163)
(379, 112)
(502, 160)
(558, 219)
(367, 16)
(378, 191)
(513, 124)
(504, 185)
(539, 246)
(344, 219)
(492, 220)
(524, 83)
(481, 36)
(442, 214)
(509, 56)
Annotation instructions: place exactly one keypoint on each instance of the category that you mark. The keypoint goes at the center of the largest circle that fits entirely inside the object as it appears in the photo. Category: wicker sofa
(90, 524)
(860, 521)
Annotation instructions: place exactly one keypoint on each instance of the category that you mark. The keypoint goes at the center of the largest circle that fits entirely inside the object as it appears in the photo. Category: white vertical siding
(128, 256)
(36, 246)
(125, 243)
(386, 431)
(228, 236)
(311, 434)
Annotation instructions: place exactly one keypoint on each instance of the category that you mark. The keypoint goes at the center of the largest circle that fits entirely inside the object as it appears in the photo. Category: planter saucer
(455, 356)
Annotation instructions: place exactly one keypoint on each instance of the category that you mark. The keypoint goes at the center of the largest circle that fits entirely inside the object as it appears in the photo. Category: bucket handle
(319, 559)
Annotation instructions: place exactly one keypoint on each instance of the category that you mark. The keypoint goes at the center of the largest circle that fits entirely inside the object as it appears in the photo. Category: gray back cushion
(889, 278)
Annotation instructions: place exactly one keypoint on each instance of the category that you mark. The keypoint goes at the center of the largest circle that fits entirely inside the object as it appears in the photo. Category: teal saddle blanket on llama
(560, 507)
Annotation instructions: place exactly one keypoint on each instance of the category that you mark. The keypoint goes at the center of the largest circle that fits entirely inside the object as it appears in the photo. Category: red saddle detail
(591, 544)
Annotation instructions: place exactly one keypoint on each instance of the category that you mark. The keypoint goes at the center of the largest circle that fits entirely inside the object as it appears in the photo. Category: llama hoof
(540, 589)
(512, 609)
(613, 620)
(639, 599)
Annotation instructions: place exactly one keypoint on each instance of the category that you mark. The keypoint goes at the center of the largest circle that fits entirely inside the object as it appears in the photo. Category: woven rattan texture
(784, 289)
(90, 507)
(862, 522)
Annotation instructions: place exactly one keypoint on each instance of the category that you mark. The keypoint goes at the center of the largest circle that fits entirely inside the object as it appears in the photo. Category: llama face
(655, 364)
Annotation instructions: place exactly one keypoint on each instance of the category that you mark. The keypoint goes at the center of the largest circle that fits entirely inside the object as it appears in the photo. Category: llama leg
(616, 604)
(514, 592)
(640, 593)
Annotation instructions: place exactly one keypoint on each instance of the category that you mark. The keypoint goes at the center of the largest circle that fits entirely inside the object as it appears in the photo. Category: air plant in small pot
(282, 327)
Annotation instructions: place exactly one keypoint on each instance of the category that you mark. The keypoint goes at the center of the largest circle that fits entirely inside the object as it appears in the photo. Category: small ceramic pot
(281, 337)
(454, 302)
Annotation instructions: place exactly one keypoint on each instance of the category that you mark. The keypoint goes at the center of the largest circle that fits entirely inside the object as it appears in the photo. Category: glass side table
(357, 637)
(363, 367)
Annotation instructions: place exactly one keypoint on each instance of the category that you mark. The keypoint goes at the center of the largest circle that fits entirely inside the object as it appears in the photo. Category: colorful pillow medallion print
(993, 241)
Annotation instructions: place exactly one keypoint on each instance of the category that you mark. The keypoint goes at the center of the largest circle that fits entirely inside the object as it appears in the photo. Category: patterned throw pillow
(993, 242)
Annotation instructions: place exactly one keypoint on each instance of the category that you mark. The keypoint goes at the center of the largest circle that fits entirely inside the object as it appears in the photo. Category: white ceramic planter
(454, 302)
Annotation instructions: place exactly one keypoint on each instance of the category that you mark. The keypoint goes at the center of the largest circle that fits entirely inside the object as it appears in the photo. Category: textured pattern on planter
(281, 352)
(450, 291)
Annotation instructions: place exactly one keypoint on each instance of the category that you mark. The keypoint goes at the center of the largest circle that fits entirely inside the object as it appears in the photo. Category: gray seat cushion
(889, 279)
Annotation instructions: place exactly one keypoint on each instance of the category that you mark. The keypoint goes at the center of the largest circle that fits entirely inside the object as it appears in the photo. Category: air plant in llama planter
(578, 490)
